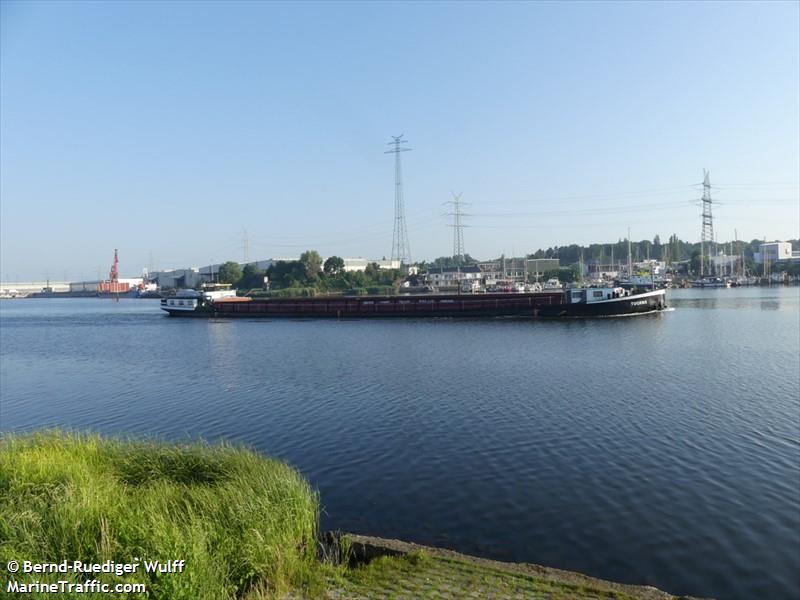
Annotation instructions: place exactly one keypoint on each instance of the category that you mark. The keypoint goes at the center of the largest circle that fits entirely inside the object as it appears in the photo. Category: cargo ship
(577, 302)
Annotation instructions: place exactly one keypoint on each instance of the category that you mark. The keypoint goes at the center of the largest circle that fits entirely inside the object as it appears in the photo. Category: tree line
(674, 250)
(310, 272)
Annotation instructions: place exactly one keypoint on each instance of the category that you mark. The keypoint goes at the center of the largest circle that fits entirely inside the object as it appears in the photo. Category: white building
(450, 276)
(775, 252)
(360, 264)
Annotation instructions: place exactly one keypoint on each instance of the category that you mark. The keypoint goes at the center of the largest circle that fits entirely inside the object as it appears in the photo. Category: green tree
(229, 272)
(252, 277)
(694, 262)
(372, 271)
(287, 274)
(333, 265)
(312, 265)
(453, 261)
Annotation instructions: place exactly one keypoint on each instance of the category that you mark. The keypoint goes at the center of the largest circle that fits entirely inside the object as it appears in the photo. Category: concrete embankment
(384, 568)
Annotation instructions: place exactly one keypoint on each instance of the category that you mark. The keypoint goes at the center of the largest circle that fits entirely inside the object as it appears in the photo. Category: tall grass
(245, 524)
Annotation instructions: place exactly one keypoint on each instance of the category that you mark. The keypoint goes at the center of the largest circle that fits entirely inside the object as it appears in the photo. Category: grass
(245, 524)
(418, 575)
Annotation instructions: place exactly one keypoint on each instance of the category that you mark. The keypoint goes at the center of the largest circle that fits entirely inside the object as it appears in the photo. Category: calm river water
(661, 450)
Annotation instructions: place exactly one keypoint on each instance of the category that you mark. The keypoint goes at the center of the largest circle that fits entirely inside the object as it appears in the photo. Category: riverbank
(381, 568)
(234, 524)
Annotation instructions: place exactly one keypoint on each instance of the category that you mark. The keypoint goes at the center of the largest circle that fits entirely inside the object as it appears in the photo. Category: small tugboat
(576, 302)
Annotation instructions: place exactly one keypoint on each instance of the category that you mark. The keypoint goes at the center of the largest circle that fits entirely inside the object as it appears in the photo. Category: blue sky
(166, 129)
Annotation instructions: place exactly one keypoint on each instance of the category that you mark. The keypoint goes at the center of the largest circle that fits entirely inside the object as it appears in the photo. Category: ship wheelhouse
(590, 295)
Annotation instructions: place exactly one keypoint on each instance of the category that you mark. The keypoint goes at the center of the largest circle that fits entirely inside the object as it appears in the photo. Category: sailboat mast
(630, 270)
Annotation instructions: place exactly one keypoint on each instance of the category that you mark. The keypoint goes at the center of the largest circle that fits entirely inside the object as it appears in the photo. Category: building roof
(464, 269)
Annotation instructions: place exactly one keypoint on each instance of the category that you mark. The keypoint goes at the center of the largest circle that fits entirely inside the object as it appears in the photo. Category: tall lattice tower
(401, 250)
(458, 227)
(707, 233)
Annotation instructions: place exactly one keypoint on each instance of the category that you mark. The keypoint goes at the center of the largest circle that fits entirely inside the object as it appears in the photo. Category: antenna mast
(401, 250)
(245, 246)
(458, 228)
(707, 233)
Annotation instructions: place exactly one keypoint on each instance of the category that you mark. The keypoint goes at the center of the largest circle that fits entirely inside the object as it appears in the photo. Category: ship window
(597, 294)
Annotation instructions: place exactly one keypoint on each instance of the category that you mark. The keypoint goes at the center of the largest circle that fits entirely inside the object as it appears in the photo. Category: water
(660, 450)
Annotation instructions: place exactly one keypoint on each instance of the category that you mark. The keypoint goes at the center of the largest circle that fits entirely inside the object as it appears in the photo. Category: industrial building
(517, 269)
(773, 252)
(360, 264)
(450, 276)
(23, 288)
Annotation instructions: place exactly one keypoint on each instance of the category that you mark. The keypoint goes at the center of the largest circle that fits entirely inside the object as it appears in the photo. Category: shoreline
(361, 550)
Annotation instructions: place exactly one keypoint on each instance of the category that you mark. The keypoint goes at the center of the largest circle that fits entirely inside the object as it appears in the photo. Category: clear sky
(166, 129)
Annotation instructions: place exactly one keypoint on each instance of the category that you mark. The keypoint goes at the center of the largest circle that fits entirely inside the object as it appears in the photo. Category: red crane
(114, 275)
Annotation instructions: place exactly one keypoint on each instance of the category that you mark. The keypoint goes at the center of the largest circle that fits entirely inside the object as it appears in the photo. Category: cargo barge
(582, 302)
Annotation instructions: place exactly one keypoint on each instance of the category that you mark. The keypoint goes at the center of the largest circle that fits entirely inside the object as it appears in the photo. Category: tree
(229, 272)
(252, 277)
(333, 265)
(312, 264)
(694, 262)
(287, 274)
(372, 270)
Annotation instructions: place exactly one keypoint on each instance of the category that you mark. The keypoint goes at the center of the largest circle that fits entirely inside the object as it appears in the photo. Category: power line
(458, 227)
(707, 231)
(401, 249)
(245, 246)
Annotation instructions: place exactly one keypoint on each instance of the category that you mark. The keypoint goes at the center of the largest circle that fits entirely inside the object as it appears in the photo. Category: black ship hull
(534, 305)
(647, 302)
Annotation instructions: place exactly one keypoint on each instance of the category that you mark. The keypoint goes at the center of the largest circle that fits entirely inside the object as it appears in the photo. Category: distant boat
(710, 282)
(552, 284)
(645, 282)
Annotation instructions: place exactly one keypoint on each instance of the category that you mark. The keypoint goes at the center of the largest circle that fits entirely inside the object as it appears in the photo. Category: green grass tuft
(245, 524)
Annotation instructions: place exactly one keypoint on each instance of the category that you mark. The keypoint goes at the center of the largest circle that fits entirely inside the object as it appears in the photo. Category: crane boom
(114, 274)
